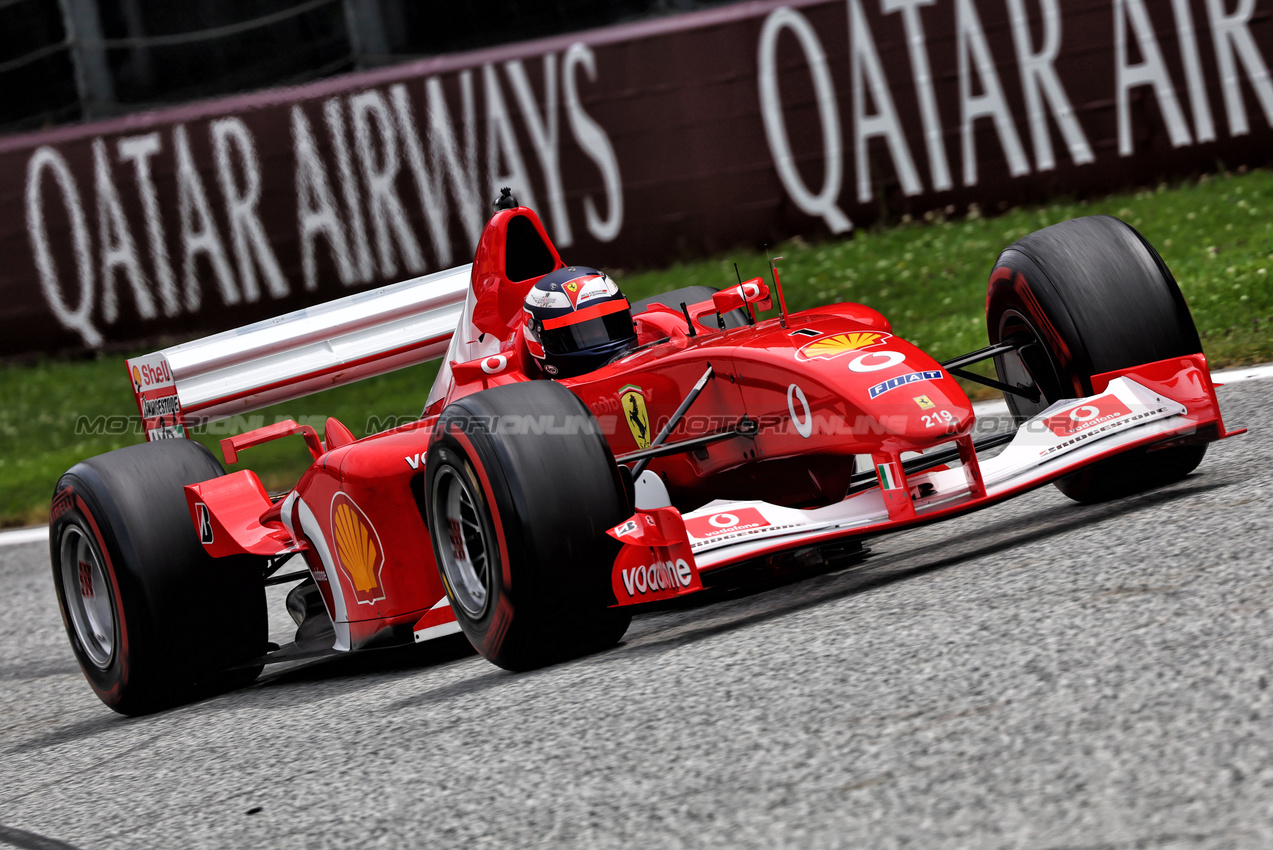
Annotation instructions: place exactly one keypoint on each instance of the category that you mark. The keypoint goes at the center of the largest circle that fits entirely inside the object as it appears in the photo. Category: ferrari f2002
(580, 456)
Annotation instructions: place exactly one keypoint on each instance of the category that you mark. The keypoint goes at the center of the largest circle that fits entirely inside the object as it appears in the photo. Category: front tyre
(1080, 298)
(153, 620)
(517, 513)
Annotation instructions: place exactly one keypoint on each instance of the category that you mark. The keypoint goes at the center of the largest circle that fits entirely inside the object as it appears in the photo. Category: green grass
(49, 407)
(928, 277)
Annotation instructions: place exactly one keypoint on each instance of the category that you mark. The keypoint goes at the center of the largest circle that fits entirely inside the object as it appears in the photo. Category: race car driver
(576, 320)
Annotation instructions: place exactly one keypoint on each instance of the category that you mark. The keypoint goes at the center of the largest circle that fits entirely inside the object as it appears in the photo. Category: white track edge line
(24, 535)
(1243, 373)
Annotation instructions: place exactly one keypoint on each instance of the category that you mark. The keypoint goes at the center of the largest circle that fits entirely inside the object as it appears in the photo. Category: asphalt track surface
(1040, 674)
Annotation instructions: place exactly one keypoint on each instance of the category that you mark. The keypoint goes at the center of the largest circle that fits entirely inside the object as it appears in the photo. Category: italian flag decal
(887, 480)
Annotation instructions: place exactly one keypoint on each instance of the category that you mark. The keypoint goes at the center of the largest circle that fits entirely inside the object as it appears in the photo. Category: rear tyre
(153, 620)
(518, 518)
(1083, 297)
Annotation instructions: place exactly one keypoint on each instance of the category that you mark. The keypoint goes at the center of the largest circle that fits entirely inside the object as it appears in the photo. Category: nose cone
(852, 386)
(915, 412)
(906, 398)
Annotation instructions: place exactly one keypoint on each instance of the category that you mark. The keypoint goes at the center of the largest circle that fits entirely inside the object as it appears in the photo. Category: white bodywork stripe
(440, 630)
(451, 628)
(651, 492)
(314, 534)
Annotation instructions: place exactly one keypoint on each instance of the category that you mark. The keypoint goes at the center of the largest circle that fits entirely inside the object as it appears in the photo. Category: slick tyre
(1083, 297)
(153, 620)
(517, 517)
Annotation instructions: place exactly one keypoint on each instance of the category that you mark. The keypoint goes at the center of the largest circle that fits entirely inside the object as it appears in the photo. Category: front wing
(1170, 402)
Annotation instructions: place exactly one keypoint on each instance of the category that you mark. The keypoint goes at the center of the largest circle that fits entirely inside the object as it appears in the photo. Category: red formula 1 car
(532, 513)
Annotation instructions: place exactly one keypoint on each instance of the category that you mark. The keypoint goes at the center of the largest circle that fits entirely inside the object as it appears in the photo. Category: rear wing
(297, 354)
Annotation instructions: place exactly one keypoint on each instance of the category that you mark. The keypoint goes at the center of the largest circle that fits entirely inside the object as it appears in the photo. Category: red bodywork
(822, 392)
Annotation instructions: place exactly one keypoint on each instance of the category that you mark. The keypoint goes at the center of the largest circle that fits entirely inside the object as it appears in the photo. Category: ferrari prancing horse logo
(632, 400)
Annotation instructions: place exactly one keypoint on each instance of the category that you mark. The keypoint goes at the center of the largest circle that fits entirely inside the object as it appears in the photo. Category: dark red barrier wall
(636, 144)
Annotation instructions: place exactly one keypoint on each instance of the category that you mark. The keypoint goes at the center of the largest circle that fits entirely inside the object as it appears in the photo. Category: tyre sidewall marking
(488, 494)
(433, 535)
(1023, 301)
(462, 469)
(493, 630)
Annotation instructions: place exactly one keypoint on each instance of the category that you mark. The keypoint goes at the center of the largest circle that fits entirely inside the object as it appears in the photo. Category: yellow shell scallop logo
(837, 344)
(358, 549)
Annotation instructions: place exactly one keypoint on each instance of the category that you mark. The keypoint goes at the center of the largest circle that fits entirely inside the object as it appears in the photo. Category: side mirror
(753, 291)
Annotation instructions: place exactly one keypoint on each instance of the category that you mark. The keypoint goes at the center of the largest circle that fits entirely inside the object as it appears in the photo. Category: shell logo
(833, 346)
(358, 550)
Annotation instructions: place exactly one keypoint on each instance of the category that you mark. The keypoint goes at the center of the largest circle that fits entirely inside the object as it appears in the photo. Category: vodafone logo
(657, 577)
(725, 522)
(874, 361)
(1087, 416)
(804, 422)
(495, 364)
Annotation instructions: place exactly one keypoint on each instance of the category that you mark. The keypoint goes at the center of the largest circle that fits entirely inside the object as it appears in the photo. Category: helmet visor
(590, 334)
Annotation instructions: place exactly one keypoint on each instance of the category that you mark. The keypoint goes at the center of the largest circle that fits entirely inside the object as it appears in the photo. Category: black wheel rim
(1031, 365)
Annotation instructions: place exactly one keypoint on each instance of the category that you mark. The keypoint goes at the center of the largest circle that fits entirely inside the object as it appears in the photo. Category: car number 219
(939, 419)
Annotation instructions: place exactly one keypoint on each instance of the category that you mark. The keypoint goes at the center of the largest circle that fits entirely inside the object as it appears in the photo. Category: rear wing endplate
(296, 354)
